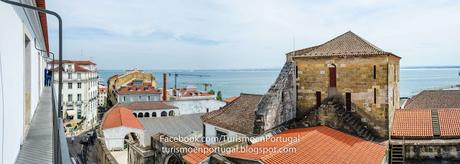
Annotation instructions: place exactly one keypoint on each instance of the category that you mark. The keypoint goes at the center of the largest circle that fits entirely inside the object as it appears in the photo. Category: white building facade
(196, 106)
(102, 97)
(21, 74)
(80, 91)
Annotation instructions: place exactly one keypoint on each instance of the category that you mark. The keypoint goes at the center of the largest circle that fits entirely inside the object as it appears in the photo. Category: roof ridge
(250, 94)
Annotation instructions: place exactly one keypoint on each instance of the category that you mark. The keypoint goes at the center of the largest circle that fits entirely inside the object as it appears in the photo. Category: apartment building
(80, 91)
(102, 98)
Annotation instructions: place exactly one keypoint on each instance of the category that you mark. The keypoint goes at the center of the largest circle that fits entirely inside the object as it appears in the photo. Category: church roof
(120, 116)
(237, 116)
(347, 44)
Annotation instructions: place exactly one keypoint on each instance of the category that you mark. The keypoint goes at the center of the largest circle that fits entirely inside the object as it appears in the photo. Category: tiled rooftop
(449, 122)
(238, 116)
(197, 157)
(120, 116)
(412, 123)
(316, 145)
(231, 99)
(418, 123)
(434, 99)
(145, 88)
(347, 44)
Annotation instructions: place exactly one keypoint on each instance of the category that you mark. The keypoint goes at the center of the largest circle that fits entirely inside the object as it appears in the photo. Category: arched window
(171, 113)
(164, 114)
(146, 114)
(135, 115)
(154, 114)
(140, 115)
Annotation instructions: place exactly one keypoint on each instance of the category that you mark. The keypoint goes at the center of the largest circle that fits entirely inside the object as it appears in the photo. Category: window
(296, 72)
(69, 75)
(164, 114)
(124, 98)
(148, 98)
(140, 98)
(79, 97)
(147, 114)
(135, 115)
(221, 136)
(78, 75)
(375, 72)
(78, 85)
(154, 114)
(69, 97)
(69, 85)
(375, 95)
(171, 113)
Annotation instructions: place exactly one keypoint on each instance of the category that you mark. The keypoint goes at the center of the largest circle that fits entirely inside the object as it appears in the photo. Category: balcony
(69, 103)
(79, 103)
(45, 142)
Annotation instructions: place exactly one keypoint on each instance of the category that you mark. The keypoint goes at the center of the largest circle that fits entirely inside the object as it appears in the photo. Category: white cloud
(250, 34)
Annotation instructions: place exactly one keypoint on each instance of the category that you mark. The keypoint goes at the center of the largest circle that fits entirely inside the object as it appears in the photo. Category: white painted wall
(137, 97)
(210, 132)
(157, 111)
(89, 93)
(14, 26)
(196, 106)
(114, 137)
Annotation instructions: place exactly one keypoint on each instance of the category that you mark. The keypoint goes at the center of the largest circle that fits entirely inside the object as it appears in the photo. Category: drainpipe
(164, 87)
(57, 151)
(60, 42)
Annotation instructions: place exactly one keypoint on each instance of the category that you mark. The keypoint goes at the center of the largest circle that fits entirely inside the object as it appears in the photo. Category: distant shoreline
(266, 69)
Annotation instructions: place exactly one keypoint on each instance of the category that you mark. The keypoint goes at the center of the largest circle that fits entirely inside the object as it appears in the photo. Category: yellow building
(360, 74)
(116, 82)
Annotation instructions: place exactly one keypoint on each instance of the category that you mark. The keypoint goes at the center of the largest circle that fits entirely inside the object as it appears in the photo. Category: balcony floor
(38, 145)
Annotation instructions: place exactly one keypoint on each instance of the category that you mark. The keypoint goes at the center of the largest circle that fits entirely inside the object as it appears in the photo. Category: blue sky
(233, 34)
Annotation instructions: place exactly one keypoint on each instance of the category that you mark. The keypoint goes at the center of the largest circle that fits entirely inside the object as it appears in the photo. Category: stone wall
(356, 76)
(446, 152)
(278, 105)
(140, 155)
(103, 154)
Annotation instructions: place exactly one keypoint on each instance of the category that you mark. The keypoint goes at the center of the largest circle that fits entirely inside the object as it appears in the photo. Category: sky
(248, 34)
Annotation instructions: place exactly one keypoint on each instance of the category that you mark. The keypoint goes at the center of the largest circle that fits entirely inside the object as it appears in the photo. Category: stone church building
(362, 76)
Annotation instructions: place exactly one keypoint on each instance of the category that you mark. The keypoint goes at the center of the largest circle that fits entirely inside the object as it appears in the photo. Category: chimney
(164, 87)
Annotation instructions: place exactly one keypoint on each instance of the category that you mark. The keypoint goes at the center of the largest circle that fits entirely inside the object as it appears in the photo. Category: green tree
(219, 96)
(211, 92)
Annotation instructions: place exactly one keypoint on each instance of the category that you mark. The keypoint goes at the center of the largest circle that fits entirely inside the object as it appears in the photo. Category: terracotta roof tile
(145, 88)
(80, 62)
(315, 145)
(412, 123)
(43, 22)
(347, 44)
(237, 116)
(449, 122)
(147, 105)
(231, 99)
(434, 99)
(198, 156)
(120, 116)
